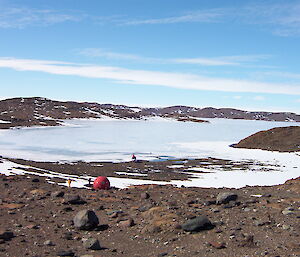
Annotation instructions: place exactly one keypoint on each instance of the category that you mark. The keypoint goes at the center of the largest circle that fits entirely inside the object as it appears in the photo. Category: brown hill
(19, 112)
(283, 139)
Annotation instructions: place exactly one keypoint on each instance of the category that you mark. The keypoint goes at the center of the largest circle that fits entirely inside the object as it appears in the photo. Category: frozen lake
(96, 140)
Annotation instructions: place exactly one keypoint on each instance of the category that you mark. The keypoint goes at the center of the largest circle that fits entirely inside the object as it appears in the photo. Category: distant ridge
(45, 112)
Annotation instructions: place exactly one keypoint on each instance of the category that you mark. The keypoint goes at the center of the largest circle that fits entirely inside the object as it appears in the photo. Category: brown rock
(217, 245)
(126, 223)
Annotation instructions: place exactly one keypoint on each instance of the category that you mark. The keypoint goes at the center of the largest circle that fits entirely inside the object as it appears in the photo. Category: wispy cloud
(237, 97)
(259, 98)
(211, 15)
(282, 19)
(146, 77)
(21, 17)
(99, 52)
(235, 60)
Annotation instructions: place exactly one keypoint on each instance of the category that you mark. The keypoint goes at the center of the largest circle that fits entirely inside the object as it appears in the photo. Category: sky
(239, 54)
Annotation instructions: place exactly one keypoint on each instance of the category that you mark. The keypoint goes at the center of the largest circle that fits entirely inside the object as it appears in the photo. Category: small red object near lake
(101, 183)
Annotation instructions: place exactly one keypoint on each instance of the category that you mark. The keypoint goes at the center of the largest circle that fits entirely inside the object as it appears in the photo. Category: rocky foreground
(37, 111)
(42, 219)
(283, 139)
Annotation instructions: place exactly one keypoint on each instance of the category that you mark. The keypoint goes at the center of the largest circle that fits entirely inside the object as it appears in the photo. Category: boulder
(226, 197)
(6, 235)
(86, 220)
(91, 243)
(197, 224)
(73, 199)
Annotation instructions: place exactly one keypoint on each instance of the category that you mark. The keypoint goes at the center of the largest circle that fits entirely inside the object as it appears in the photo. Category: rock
(86, 220)
(35, 180)
(288, 211)
(286, 227)
(145, 207)
(38, 192)
(151, 229)
(208, 203)
(6, 235)
(226, 197)
(217, 245)
(65, 253)
(126, 223)
(32, 226)
(162, 254)
(48, 243)
(68, 236)
(91, 243)
(115, 214)
(197, 224)
(73, 199)
(57, 194)
(248, 241)
(261, 222)
(145, 195)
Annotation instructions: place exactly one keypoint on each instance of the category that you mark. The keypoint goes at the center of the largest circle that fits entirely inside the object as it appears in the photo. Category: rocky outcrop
(283, 139)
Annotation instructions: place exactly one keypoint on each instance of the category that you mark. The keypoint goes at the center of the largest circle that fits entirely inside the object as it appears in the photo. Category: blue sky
(241, 54)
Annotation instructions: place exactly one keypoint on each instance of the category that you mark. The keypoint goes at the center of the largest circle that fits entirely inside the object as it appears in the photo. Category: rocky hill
(284, 139)
(45, 112)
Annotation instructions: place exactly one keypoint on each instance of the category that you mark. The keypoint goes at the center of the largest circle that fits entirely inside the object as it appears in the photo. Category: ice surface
(157, 139)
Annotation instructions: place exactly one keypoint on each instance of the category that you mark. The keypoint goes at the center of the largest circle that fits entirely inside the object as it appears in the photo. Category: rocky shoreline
(38, 219)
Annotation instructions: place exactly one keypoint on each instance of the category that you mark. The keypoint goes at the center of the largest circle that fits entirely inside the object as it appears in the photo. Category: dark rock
(35, 180)
(208, 203)
(65, 253)
(6, 235)
(73, 199)
(91, 243)
(68, 236)
(162, 254)
(197, 224)
(226, 197)
(86, 220)
(57, 194)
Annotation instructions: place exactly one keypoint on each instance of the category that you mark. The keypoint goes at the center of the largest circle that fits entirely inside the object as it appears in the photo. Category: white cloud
(99, 52)
(237, 97)
(281, 18)
(21, 17)
(235, 60)
(259, 98)
(145, 77)
(205, 16)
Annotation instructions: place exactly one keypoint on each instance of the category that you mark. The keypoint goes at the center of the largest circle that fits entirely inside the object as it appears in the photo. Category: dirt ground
(37, 220)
